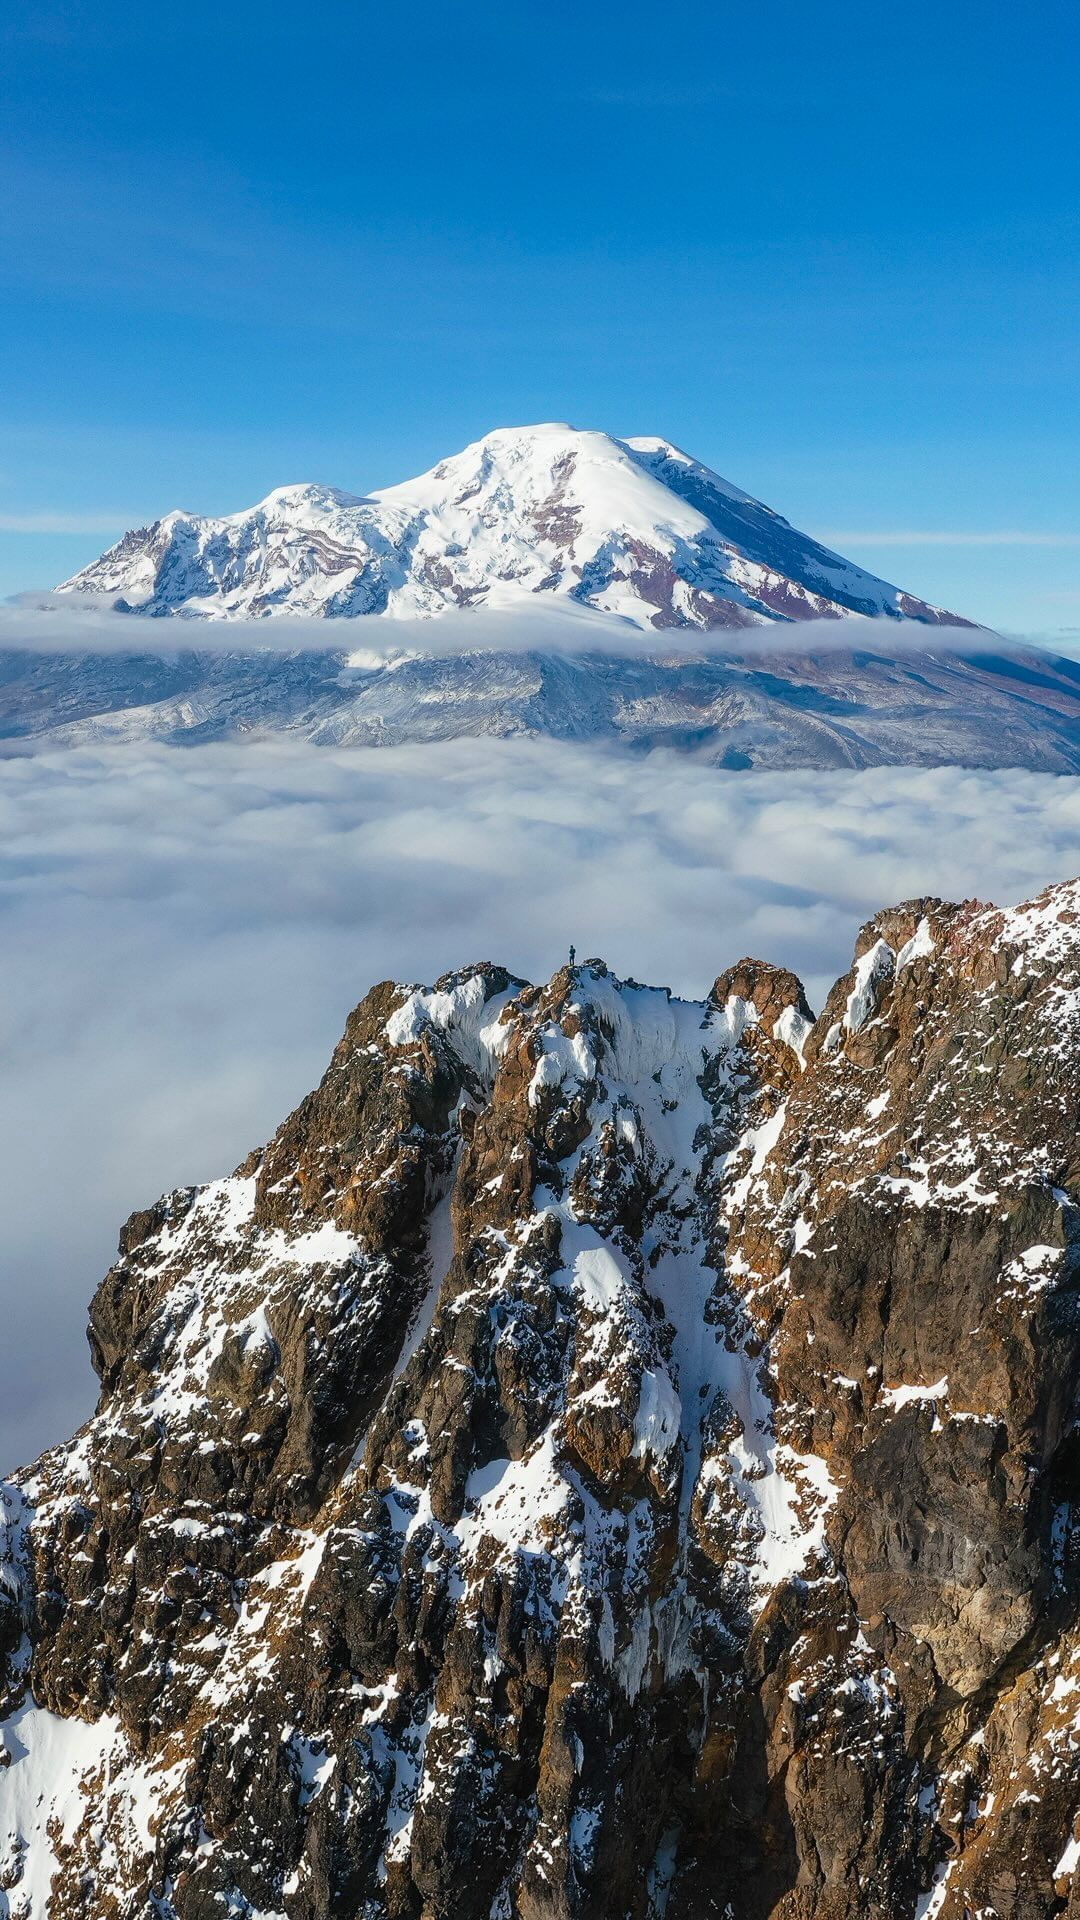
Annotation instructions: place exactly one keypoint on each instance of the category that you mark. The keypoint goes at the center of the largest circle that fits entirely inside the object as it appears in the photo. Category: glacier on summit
(634, 528)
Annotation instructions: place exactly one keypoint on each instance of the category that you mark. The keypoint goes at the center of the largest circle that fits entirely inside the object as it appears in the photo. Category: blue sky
(833, 251)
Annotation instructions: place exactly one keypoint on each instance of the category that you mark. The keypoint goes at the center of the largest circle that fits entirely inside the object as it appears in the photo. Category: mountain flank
(863, 706)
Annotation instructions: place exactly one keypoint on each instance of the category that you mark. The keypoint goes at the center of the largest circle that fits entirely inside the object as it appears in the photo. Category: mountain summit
(633, 528)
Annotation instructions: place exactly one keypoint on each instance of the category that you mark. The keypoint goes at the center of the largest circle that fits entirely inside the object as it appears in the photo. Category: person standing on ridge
(573, 951)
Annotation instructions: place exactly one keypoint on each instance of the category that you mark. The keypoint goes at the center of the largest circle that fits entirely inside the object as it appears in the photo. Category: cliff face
(608, 1455)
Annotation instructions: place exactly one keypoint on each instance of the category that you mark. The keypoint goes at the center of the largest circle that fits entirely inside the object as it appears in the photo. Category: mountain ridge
(608, 1455)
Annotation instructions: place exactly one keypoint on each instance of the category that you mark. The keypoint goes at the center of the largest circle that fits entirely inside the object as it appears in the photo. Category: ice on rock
(918, 947)
(874, 968)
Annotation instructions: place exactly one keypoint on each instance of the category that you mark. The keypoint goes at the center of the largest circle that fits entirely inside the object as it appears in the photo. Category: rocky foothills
(608, 1455)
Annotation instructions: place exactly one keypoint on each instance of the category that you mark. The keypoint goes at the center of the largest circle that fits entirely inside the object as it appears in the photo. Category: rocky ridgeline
(608, 1455)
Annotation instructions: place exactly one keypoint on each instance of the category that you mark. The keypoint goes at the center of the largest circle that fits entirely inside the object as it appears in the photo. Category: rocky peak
(609, 1454)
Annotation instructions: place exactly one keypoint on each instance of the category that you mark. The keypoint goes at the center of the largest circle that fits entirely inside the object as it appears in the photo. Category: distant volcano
(633, 528)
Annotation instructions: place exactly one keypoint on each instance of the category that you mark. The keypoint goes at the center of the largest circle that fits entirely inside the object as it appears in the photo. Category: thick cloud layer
(75, 624)
(185, 931)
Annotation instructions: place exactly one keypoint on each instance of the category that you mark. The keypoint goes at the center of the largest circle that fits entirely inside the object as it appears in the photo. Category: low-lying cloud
(185, 931)
(79, 624)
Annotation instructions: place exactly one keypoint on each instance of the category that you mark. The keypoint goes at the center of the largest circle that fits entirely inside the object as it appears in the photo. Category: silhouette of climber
(573, 952)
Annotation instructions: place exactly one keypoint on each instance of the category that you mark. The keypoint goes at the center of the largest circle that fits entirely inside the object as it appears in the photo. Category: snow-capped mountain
(609, 1456)
(634, 528)
(599, 589)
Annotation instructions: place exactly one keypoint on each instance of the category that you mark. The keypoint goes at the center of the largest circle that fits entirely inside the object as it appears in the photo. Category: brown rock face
(607, 1456)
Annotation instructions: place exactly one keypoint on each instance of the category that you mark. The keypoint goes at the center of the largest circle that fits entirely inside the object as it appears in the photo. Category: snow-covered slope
(634, 528)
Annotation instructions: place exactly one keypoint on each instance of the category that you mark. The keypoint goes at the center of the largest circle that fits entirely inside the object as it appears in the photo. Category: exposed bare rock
(607, 1455)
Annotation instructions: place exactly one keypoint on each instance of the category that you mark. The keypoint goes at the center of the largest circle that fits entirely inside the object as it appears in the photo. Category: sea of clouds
(185, 930)
(89, 623)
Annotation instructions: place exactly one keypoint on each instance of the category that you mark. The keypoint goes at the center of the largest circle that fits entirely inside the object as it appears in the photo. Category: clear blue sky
(833, 250)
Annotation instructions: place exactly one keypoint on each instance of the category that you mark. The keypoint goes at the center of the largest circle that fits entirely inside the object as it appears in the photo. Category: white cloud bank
(88, 623)
(184, 932)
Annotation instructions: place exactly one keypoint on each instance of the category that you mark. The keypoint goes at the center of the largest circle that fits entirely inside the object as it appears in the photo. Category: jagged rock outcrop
(608, 1455)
